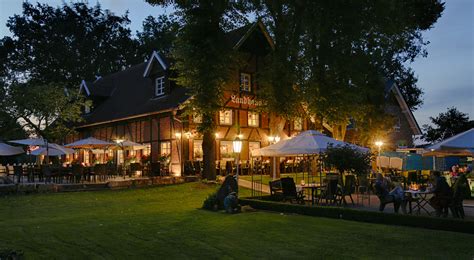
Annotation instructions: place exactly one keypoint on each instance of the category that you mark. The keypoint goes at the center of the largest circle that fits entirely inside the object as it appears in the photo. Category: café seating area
(78, 173)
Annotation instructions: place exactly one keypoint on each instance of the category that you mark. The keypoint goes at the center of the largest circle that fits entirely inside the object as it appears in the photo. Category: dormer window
(159, 86)
(245, 82)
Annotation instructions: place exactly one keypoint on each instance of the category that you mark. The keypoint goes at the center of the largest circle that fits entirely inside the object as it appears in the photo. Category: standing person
(442, 195)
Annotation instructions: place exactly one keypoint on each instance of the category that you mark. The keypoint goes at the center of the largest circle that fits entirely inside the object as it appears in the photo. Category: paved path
(373, 205)
(248, 185)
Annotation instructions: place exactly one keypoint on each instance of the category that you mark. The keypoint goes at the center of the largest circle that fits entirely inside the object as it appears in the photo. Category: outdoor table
(422, 202)
(313, 186)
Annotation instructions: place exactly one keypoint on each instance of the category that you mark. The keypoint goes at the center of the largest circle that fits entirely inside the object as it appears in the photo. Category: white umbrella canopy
(308, 142)
(8, 150)
(129, 145)
(39, 142)
(52, 151)
(271, 150)
(30, 141)
(464, 140)
(90, 143)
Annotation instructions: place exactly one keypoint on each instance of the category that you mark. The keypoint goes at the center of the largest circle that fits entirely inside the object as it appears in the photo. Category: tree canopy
(447, 124)
(66, 44)
(340, 54)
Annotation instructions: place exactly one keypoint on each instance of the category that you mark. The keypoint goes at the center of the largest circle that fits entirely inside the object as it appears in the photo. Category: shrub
(347, 159)
(10, 254)
(211, 202)
(446, 224)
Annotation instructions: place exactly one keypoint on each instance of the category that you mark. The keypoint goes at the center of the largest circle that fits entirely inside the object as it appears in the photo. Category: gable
(155, 58)
(405, 109)
(256, 35)
(83, 87)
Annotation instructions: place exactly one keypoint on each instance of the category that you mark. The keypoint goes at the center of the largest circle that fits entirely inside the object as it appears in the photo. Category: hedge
(446, 224)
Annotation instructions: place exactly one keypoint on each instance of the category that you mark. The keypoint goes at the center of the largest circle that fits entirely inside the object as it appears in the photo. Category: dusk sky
(446, 75)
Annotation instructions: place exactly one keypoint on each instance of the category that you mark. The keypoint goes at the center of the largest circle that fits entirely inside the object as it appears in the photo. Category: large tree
(47, 110)
(203, 62)
(447, 124)
(66, 44)
(340, 54)
(158, 34)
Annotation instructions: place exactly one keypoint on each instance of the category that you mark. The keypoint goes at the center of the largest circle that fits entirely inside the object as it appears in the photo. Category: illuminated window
(165, 148)
(226, 149)
(245, 82)
(197, 149)
(298, 124)
(225, 117)
(253, 146)
(159, 86)
(253, 119)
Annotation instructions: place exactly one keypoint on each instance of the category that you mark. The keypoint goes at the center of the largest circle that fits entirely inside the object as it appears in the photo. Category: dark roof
(131, 95)
(234, 36)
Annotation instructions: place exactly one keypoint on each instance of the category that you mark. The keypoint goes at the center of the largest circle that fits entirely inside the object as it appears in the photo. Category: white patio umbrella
(308, 142)
(40, 142)
(90, 143)
(52, 151)
(464, 140)
(8, 150)
(129, 145)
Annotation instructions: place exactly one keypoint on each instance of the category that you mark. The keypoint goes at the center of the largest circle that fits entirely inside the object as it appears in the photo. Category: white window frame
(245, 84)
(225, 117)
(253, 119)
(160, 86)
(298, 124)
(165, 148)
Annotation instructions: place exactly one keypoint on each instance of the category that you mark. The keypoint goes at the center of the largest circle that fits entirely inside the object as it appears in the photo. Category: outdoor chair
(77, 173)
(386, 199)
(288, 187)
(275, 189)
(155, 169)
(47, 173)
(135, 167)
(329, 192)
(347, 190)
(363, 189)
(189, 169)
(18, 172)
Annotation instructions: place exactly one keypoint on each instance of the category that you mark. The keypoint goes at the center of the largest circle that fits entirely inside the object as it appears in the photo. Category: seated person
(442, 195)
(461, 191)
(382, 187)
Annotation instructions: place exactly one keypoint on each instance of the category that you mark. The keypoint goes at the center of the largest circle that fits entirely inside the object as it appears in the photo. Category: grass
(167, 222)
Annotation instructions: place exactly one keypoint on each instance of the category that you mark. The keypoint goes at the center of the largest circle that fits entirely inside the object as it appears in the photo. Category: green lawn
(167, 222)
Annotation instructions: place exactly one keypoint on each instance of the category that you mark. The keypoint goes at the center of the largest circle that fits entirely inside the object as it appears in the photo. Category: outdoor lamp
(178, 135)
(119, 141)
(217, 135)
(379, 144)
(277, 139)
(237, 145)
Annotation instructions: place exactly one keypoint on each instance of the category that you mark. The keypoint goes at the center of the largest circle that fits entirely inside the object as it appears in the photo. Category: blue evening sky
(446, 75)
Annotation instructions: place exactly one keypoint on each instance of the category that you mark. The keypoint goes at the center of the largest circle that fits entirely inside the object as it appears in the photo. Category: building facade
(143, 105)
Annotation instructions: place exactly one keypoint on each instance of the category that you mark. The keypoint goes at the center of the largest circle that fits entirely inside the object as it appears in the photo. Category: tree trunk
(209, 155)
(339, 131)
(277, 123)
